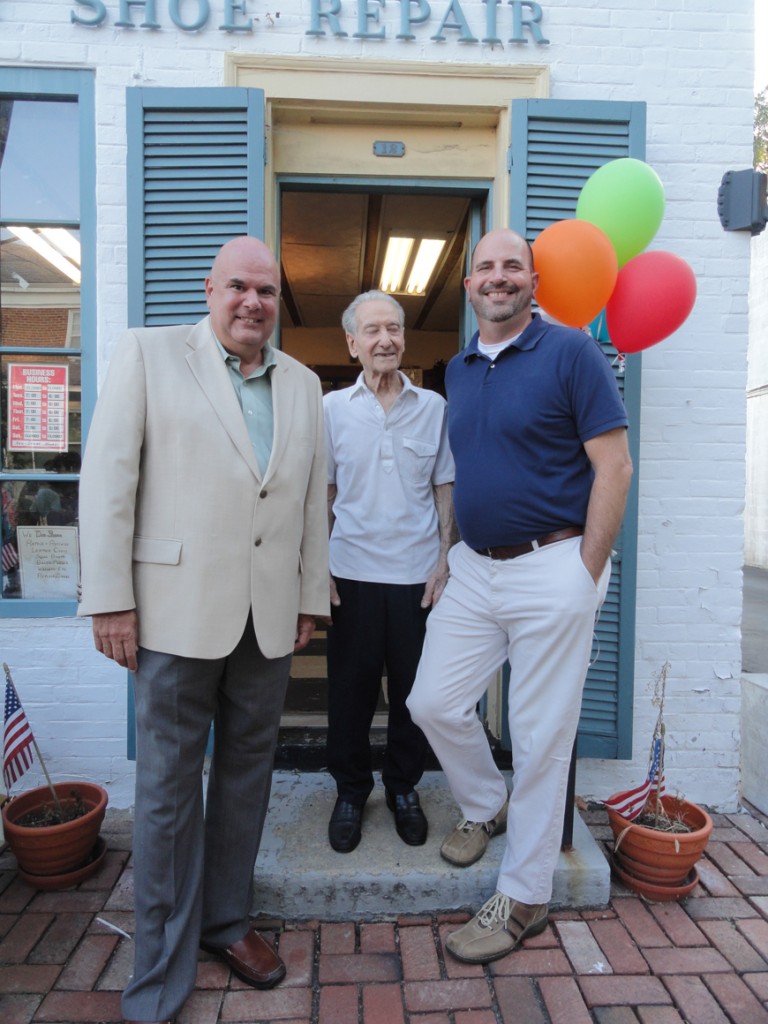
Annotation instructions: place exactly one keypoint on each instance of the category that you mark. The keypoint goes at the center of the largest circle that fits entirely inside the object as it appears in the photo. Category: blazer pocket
(156, 549)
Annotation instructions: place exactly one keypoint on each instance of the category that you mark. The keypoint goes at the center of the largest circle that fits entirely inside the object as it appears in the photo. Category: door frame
(480, 192)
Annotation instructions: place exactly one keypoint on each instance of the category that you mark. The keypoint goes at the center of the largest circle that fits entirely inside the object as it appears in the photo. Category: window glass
(40, 279)
(40, 543)
(41, 414)
(40, 357)
(39, 160)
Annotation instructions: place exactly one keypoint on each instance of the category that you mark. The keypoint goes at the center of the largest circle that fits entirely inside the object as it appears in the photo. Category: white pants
(538, 611)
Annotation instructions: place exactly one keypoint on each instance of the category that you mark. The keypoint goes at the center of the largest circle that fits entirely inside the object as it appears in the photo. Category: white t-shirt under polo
(384, 466)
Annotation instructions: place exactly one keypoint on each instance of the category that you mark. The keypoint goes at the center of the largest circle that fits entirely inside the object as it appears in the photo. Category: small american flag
(17, 737)
(631, 802)
(10, 557)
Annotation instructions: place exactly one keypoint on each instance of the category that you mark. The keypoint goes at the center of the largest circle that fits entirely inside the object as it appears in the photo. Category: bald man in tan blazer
(204, 563)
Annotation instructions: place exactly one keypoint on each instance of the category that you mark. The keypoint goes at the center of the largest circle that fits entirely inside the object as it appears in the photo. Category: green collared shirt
(254, 393)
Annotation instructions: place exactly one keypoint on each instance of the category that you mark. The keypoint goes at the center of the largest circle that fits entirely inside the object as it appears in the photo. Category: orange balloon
(577, 267)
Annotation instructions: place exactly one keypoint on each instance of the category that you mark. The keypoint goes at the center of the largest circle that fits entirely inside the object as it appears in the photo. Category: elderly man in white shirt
(390, 483)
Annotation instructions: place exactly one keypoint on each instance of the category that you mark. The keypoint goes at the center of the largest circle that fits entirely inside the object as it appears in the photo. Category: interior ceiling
(332, 248)
(23, 266)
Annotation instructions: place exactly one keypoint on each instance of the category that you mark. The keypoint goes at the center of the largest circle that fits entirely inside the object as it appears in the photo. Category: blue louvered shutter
(556, 145)
(195, 180)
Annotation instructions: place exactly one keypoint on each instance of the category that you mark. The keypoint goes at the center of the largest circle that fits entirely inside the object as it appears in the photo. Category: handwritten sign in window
(49, 561)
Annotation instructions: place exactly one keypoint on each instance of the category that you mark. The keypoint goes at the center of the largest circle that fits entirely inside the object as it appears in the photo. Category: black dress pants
(377, 625)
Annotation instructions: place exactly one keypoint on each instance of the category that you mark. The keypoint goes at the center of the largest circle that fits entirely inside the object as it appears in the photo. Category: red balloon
(654, 295)
(577, 267)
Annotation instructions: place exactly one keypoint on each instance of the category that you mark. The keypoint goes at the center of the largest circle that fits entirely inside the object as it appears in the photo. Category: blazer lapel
(206, 363)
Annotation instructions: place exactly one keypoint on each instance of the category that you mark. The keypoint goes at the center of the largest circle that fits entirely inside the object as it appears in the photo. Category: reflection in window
(39, 161)
(40, 389)
(40, 545)
(40, 300)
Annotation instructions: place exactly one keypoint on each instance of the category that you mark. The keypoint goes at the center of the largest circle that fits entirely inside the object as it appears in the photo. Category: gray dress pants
(193, 865)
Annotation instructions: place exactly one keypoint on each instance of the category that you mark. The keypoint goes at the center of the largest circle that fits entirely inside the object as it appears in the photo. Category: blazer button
(263, 494)
(257, 542)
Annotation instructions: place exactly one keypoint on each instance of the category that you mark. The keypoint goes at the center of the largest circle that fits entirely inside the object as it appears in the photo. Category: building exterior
(151, 131)
(756, 522)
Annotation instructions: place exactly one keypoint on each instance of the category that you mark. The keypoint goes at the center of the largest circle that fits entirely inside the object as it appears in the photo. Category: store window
(46, 331)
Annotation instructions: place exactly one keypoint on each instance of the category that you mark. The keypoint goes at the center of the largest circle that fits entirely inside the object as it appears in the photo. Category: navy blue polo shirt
(517, 426)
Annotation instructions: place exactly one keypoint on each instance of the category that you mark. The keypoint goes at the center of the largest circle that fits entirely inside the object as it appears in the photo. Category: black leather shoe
(345, 826)
(410, 822)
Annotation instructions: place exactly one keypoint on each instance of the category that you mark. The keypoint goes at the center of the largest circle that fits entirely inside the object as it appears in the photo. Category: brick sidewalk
(65, 957)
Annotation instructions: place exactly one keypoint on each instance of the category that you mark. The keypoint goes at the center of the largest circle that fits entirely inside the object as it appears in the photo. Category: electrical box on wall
(741, 201)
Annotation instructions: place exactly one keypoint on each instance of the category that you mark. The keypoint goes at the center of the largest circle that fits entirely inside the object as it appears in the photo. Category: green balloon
(625, 199)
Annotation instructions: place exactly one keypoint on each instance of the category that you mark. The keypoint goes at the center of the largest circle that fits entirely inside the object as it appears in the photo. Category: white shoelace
(468, 826)
(496, 908)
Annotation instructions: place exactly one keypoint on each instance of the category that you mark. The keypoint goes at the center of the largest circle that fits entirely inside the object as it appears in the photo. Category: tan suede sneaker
(468, 841)
(497, 929)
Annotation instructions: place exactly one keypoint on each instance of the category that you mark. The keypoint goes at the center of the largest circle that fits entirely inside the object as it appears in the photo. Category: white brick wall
(692, 64)
(75, 702)
(756, 543)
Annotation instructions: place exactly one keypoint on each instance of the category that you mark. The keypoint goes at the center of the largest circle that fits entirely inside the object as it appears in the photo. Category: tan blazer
(175, 518)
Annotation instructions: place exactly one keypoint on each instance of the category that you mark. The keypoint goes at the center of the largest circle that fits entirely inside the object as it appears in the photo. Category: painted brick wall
(75, 701)
(756, 542)
(692, 64)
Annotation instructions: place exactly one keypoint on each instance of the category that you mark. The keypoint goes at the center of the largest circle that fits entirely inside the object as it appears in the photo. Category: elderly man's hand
(327, 620)
(435, 586)
(116, 636)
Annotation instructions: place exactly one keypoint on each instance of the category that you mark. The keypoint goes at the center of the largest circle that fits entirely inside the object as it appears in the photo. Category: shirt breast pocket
(417, 459)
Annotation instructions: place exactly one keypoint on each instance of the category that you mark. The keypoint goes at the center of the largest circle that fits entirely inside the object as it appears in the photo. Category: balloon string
(620, 362)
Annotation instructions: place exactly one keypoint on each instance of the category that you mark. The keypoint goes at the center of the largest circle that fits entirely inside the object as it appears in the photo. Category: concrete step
(298, 875)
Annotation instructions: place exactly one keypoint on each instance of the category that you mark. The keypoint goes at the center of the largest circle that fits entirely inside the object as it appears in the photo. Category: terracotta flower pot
(55, 849)
(658, 875)
(655, 892)
(664, 857)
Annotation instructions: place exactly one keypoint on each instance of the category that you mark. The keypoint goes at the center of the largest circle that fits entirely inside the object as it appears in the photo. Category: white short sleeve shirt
(384, 467)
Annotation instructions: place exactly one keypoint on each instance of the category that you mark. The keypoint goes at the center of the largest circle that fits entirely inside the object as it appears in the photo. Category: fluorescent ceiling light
(423, 266)
(395, 262)
(52, 255)
(64, 241)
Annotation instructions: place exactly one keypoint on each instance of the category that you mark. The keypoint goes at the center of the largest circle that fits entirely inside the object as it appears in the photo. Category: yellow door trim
(322, 114)
(374, 81)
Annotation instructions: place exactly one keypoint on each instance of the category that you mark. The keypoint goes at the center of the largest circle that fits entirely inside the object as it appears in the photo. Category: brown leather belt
(515, 550)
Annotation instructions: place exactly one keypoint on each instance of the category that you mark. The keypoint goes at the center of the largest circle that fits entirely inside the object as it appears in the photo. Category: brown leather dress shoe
(252, 959)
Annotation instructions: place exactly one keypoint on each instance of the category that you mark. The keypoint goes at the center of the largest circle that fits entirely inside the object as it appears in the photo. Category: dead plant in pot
(658, 838)
(52, 830)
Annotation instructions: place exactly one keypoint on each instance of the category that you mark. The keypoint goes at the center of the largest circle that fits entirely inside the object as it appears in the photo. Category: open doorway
(332, 244)
(332, 240)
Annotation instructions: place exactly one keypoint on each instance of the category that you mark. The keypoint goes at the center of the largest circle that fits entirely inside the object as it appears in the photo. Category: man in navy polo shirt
(538, 433)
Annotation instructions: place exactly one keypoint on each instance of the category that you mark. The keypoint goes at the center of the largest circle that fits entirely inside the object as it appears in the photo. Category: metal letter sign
(389, 149)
